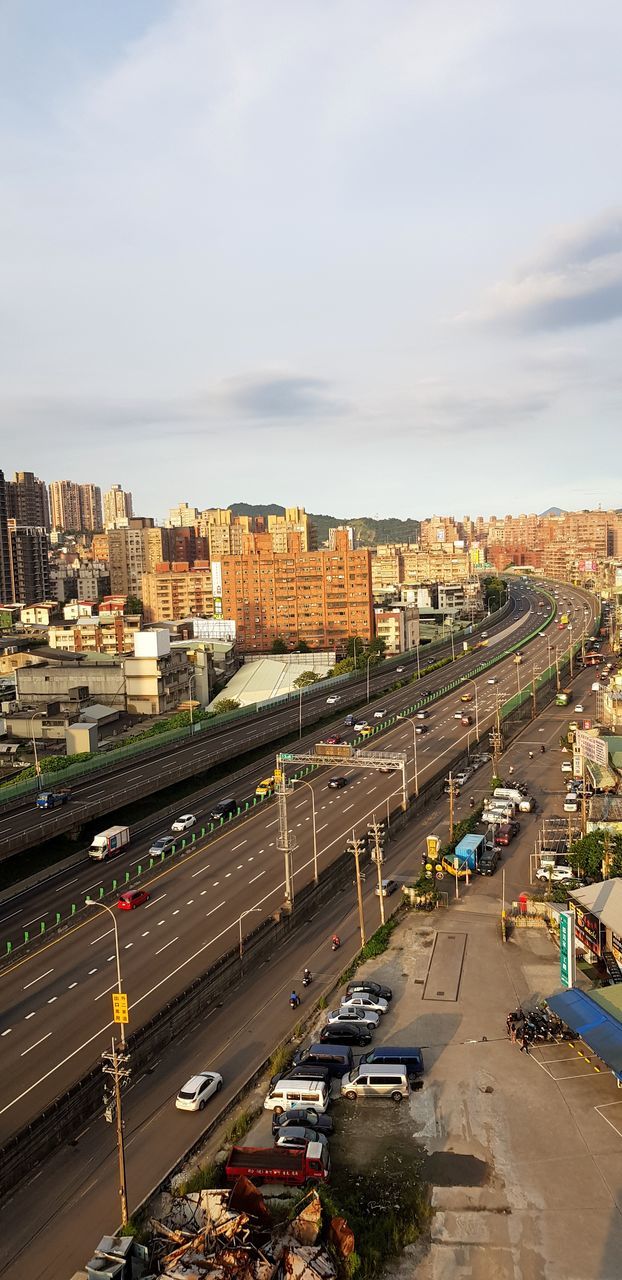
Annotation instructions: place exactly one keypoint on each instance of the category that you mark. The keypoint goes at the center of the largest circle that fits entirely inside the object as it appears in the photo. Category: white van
(375, 1080)
(297, 1093)
(508, 793)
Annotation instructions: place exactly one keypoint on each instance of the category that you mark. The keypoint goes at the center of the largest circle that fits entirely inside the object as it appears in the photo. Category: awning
(600, 1031)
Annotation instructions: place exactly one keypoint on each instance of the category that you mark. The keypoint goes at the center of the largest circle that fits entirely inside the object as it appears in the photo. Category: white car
(332, 699)
(360, 724)
(491, 680)
(571, 803)
(184, 823)
(380, 715)
(542, 633)
(360, 1017)
(579, 708)
(198, 1090)
(557, 875)
(462, 778)
(399, 668)
(365, 1000)
(566, 766)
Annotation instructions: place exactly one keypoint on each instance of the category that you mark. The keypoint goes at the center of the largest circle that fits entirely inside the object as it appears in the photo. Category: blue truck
(466, 856)
(52, 799)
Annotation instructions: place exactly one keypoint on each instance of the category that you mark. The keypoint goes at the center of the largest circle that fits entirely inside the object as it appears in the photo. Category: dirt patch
(450, 1169)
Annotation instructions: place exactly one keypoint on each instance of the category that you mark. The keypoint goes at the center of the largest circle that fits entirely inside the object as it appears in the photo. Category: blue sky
(362, 257)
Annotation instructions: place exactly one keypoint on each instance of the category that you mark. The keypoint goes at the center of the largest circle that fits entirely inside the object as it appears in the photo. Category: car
(557, 875)
(491, 680)
(162, 845)
(360, 724)
(423, 715)
(349, 722)
(505, 833)
(386, 768)
(542, 633)
(265, 788)
(400, 669)
(566, 766)
(198, 1090)
(466, 697)
(421, 728)
(458, 715)
(352, 1033)
(306, 1116)
(184, 823)
(484, 635)
(462, 778)
(333, 739)
(579, 708)
(366, 731)
(368, 984)
(224, 809)
(380, 715)
(337, 783)
(366, 1001)
(488, 862)
(466, 719)
(332, 699)
(133, 898)
(299, 1136)
(571, 802)
(339, 1017)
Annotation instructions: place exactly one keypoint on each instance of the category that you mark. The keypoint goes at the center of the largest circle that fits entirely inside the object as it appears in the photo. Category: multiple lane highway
(56, 1009)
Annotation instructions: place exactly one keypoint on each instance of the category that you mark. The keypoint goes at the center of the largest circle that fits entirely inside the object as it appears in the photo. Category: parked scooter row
(535, 1026)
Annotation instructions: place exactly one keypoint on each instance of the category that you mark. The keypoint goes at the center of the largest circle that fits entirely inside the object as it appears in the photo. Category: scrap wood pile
(231, 1235)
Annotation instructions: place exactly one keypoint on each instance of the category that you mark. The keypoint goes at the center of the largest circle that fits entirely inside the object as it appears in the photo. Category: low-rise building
(39, 614)
(104, 633)
(398, 626)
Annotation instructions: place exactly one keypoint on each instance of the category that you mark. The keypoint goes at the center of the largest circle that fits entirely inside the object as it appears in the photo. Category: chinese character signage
(567, 948)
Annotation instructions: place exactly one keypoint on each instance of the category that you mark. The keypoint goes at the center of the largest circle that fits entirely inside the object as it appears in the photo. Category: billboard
(588, 566)
(333, 750)
(591, 748)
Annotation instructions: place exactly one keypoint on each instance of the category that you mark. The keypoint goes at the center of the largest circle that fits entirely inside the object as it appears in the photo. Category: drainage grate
(440, 993)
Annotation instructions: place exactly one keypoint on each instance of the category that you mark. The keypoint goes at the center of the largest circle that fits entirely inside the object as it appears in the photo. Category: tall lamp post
(301, 782)
(34, 747)
(368, 662)
(474, 683)
(117, 1062)
(416, 777)
(249, 912)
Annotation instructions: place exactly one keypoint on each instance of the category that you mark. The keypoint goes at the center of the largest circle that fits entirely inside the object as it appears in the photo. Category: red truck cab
(279, 1164)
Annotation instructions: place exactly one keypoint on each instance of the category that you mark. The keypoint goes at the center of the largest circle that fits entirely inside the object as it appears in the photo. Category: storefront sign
(567, 966)
(616, 947)
(588, 930)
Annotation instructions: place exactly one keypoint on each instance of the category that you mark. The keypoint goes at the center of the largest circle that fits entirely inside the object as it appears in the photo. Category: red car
(133, 898)
(334, 737)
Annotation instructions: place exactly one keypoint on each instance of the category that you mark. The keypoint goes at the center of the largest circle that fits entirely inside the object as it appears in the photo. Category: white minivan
(297, 1093)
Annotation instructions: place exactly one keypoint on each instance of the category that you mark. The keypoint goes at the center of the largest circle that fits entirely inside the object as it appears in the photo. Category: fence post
(9, 948)
(26, 936)
(139, 869)
(58, 917)
(73, 908)
(101, 890)
(127, 877)
(42, 926)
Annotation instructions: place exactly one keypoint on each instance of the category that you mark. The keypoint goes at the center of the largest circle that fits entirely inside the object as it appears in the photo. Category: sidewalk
(526, 1178)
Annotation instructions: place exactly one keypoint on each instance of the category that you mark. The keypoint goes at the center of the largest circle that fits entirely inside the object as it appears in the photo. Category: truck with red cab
(279, 1164)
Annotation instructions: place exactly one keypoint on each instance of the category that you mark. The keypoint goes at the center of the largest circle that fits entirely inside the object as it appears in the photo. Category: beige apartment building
(398, 626)
(117, 506)
(112, 633)
(75, 507)
(177, 590)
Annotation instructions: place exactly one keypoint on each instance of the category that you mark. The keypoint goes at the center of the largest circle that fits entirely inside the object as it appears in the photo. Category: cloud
(576, 280)
(278, 397)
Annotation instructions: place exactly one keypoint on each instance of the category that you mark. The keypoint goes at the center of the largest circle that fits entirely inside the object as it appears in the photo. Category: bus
(592, 660)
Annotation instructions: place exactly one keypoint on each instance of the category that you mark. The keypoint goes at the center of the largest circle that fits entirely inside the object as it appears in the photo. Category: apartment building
(128, 555)
(106, 633)
(321, 597)
(334, 539)
(176, 590)
(442, 563)
(29, 565)
(295, 522)
(117, 506)
(27, 500)
(182, 516)
(398, 626)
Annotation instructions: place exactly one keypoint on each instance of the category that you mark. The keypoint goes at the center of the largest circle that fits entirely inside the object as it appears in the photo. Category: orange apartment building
(321, 597)
(177, 590)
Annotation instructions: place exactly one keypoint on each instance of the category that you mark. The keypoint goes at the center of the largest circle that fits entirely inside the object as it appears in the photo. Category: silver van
(373, 1080)
(286, 1094)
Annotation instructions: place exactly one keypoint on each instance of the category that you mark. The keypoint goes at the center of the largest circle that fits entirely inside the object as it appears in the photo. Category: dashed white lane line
(227, 874)
(200, 871)
(34, 1046)
(166, 944)
(7, 1032)
(239, 868)
(215, 884)
(348, 806)
(153, 901)
(322, 828)
(239, 846)
(41, 975)
(128, 945)
(29, 1016)
(271, 824)
(370, 789)
(36, 919)
(105, 993)
(144, 935)
(52, 999)
(161, 922)
(91, 972)
(102, 935)
(71, 986)
(176, 911)
(190, 902)
(66, 885)
(258, 877)
(109, 959)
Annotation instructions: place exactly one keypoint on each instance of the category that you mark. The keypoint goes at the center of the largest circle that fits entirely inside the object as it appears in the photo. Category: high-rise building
(6, 589)
(75, 507)
(91, 508)
(295, 522)
(117, 506)
(127, 555)
(177, 590)
(27, 500)
(321, 597)
(182, 516)
(335, 537)
(29, 563)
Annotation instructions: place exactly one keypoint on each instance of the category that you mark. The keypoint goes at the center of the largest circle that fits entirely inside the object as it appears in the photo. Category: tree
(342, 668)
(226, 704)
(587, 854)
(303, 647)
(133, 605)
(305, 679)
(279, 646)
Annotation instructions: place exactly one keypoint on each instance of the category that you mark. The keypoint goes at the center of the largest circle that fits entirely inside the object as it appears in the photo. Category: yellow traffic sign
(120, 1011)
(278, 776)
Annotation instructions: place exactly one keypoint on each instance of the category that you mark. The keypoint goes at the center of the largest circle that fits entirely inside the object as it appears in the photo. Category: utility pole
(376, 829)
(534, 694)
(453, 791)
(558, 679)
(286, 842)
(115, 1065)
(354, 846)
(606, 864)
(496, 742)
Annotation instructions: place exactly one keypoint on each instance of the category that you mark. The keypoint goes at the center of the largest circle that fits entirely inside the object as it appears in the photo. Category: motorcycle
(542, 749)
(294, 1000)
(307, 978)
(336, 943)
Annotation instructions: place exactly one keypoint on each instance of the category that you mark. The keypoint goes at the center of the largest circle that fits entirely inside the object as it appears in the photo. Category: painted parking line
(608, 1105)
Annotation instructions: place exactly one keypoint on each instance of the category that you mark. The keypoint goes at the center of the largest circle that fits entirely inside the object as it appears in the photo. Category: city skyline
(254, 252)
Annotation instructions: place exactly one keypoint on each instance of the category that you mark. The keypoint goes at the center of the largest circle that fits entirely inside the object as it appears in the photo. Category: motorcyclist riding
(294, 999)
(336, 941)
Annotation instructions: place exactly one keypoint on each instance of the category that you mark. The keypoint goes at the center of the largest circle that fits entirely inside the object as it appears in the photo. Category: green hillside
(369, 532)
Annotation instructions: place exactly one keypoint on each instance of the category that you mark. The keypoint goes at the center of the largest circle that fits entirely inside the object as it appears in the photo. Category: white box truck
(108, 843)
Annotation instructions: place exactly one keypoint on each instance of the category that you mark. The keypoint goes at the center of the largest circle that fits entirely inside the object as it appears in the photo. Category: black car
(488, 862)
(366, 984)
(306, 1116)
(224, 809)
(337, 783)
(343, 1033)
(303, 1072)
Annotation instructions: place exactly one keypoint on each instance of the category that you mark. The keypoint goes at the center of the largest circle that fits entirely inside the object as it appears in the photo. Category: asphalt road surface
(52, 1225)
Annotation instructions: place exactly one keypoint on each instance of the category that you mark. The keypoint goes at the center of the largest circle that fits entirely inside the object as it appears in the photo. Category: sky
(360, 257)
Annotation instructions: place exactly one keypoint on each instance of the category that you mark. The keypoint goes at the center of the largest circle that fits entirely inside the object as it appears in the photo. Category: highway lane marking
(102, 935)
(271, 824)
(348, 806)
(41, 975)
(71, 986)
(66, 885)
(239, 846)
(7, 1032)
(322, 828)
(128, 945)
(227, 874)
(190, 902)
(258, 877)
(36, 918)
(52, 999)
(215, 884)
(91, 971)
(371, 789)
(240, 866)
(105, 993)
(161, 922)
(166, 944)
(109, 959)
(35, 1045)
(200, 871)
(220, 904)
(203, 893)
(29, 1015)
(153, 901)
(176, 911)
(145, 934)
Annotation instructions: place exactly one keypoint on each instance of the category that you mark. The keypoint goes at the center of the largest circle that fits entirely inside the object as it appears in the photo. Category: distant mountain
(553, 511)
(369, 532)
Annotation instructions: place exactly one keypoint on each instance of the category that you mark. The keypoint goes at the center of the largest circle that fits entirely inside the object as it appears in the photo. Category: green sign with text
(567, 948)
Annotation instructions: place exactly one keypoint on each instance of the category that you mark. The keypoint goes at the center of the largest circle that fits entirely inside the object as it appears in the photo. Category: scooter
(307, 979)
(335, 944)
(294, 1001)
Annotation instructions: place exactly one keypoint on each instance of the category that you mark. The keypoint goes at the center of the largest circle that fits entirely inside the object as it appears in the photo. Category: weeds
(203, 1179)
(239, 1127)
(280, 1059)
(376, 945)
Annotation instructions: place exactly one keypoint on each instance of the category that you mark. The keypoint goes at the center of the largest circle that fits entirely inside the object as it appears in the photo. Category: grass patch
(280, 1059)
(322, 1003)
(377, 944)
(203, 1179)
(386, 1210)
(239, 1127)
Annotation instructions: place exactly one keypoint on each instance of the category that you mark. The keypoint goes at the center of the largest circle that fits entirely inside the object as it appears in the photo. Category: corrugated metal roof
(604, 901)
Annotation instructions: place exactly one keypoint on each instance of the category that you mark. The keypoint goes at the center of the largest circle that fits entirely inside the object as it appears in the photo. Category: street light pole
(418, 661)
(368, 662)
(92, 902)
(34, 745)
(474, 683)
(245, 913)
(300, 712)
(117, 1068)
(302, 783)
(190, 680)
(416, 778)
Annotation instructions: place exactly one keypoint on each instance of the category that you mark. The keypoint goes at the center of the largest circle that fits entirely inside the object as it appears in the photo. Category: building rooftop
(606, 809)
(604, 901)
